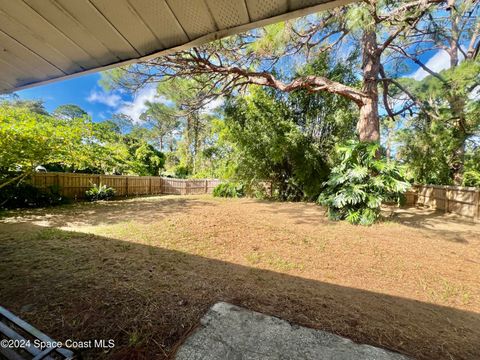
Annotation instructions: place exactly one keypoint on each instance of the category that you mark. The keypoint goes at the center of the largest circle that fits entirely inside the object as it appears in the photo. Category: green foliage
(229, 189)
(219, 156)
(70, 141)
(163, 121)
(272, 40)
(29, 139)
(99, 192)
(359, 18)
(145, 160)
(23, 195)
(69, 112)
(433, 143)
(286, 141)
(472, 167)
(360, 183)
(471, 178)
(426, 147)
(182, 171)
(182, 114)
(34, 106)
(270, 145)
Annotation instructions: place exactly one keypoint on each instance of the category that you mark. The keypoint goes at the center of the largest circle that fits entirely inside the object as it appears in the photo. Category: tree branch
(472, 50)
(196, 64)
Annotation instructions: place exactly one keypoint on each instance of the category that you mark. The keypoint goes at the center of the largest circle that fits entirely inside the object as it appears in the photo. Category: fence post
(412, 201)
(476, 210)
(126, 186)
(447, 199)
(150, 185)
(61, 184)
(206, 186)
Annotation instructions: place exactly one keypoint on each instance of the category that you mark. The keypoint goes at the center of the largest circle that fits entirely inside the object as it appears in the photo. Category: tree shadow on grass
(448, 226)
(80, 286)
(442, 226)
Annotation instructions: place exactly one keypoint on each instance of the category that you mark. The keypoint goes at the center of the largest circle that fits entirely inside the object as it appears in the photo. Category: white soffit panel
(47, 40)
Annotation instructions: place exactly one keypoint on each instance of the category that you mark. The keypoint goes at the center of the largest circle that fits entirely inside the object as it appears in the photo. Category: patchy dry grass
(142, 271)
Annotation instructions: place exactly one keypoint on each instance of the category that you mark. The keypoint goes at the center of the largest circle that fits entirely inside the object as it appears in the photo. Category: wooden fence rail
(464, 201)
(73, 185)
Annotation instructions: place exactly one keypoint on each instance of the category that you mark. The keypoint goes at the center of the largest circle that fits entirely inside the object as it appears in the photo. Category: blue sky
(85, 92)
(72, 91)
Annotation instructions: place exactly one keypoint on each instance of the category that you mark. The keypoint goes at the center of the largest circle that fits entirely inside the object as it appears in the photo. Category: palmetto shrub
(359, 184)
(99, 192)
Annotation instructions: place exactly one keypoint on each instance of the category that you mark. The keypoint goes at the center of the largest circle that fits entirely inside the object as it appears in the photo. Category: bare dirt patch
(143, 271)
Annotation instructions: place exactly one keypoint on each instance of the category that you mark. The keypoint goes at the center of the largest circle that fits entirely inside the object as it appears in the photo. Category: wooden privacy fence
(73, 185)
(464, 201)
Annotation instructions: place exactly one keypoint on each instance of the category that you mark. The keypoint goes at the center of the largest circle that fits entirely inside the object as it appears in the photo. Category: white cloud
(438, 62)
(109, 99)
(137, 106)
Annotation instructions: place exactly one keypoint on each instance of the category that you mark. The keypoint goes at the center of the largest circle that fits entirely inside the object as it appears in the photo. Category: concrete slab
(229, 332)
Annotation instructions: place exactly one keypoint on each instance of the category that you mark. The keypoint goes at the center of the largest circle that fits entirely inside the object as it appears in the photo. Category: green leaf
(353, 216)
(374, 201)
(368, 217)
(358, 172)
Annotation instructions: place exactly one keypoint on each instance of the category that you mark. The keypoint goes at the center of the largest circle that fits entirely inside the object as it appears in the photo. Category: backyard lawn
(143, 271)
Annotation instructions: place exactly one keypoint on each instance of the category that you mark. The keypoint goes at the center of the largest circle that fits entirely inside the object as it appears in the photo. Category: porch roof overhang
(47, 40)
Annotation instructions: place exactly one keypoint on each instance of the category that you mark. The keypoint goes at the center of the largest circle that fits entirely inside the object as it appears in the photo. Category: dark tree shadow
(449, 226)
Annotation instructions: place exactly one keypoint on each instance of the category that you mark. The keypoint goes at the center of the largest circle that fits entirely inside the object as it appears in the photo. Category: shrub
(471, 178)
(24, 195)
(99, 192)
(257, 190)
(357, 186)
(182, 172)
(229, 189)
